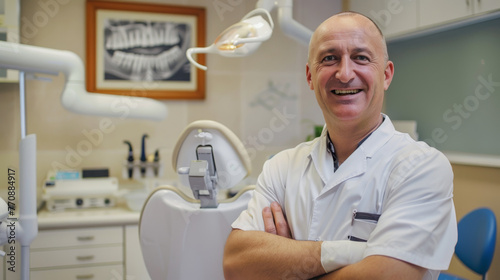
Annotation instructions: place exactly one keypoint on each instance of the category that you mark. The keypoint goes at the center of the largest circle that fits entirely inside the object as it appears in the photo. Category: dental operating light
(243, 38)
(240, 39)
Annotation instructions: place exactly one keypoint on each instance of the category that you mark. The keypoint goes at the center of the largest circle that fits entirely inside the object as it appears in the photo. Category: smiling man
(362, 201)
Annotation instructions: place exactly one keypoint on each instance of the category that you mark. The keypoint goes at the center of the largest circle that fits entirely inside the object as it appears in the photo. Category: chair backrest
(181, 241)
(477, 232)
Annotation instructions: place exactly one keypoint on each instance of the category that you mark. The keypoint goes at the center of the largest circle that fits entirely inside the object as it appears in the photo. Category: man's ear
(388, 74)
(308, 77)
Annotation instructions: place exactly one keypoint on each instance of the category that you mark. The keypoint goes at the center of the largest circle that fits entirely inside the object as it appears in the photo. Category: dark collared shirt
(331, 148)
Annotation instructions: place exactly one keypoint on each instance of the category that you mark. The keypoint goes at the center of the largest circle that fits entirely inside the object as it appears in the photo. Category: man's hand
(275, 221)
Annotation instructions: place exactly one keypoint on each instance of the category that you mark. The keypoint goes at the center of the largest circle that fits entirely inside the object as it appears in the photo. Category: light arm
(291, 27)
(288, 25)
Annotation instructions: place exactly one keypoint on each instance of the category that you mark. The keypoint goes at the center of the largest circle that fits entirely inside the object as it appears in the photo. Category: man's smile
(342, 92)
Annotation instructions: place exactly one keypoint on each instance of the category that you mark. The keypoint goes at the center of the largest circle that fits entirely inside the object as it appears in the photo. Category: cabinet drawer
(77, 237)
(86, 273)
(81, 256)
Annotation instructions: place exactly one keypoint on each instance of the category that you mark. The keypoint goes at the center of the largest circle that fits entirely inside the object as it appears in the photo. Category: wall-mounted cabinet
(432, 12)
(483, 6)
(392, 17)
(401, 17)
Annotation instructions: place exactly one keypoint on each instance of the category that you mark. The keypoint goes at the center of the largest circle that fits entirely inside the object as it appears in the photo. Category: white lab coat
(407, 183)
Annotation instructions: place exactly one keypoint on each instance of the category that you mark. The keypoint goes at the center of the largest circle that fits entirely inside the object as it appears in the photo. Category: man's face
(347, 69)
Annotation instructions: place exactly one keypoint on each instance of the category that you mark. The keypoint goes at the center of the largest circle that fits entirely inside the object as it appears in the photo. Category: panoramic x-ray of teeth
(146, 51)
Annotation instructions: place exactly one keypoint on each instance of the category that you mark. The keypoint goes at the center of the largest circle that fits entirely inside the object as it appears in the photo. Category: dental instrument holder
(153, 169)
(144, 168)
(143, 155)
(130, 159)
(156, 159)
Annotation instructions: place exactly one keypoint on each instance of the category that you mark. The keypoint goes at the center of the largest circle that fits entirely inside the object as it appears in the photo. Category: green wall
(450, 83)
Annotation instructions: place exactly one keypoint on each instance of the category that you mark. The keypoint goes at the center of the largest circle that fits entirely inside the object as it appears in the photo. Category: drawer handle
(86, 276)
(85, 258)
(85, 238)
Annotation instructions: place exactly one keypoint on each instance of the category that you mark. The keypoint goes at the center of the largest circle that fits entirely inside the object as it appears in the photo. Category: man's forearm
(377, 267)
(261, 255)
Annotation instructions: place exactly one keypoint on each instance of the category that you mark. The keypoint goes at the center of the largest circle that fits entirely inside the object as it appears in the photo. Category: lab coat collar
(356, 163)
(321, 156)
(378, 138)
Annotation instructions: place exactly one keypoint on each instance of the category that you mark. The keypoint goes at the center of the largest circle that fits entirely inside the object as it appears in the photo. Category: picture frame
(139, 49)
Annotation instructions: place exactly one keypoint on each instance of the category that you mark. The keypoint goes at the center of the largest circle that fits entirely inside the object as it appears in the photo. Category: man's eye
(362, 58)
(328, 58)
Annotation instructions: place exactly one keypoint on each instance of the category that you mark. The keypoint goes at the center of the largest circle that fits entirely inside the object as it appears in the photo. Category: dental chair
(477, 235)
(182, 236)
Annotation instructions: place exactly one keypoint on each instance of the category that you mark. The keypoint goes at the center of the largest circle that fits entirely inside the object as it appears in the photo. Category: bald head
(329, 24)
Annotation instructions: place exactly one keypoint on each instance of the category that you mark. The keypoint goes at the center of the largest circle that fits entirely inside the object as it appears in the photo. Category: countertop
(92, 217)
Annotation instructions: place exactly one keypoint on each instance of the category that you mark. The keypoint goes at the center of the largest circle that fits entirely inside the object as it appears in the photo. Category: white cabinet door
(134, 263)
(481, 6)
(76, 256)
(62, 238)
(392, 16)
(434, 12)
(113, 272)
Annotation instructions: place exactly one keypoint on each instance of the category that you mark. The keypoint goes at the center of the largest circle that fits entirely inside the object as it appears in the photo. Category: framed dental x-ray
(139, 49)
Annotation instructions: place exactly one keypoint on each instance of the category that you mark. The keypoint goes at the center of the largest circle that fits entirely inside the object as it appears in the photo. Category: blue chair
(475, 247)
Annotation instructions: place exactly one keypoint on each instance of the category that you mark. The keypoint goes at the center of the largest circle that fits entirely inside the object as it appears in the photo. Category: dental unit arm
(75, 98)
(243, 38)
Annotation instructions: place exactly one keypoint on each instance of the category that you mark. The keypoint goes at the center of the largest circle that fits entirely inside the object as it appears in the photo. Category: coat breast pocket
(363, 223)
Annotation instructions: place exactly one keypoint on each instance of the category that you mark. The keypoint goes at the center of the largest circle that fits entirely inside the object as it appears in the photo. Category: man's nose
(345, 71)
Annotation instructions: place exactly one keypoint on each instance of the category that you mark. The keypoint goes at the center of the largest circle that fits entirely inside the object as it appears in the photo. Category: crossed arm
(273, 254)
